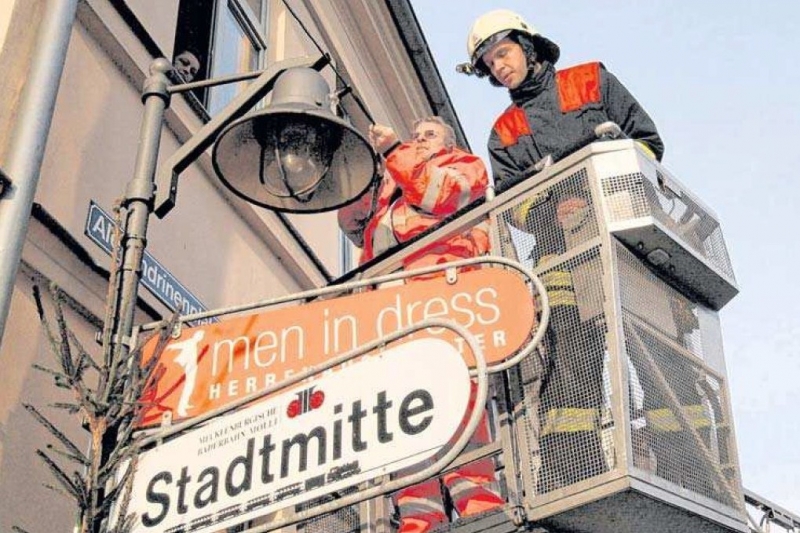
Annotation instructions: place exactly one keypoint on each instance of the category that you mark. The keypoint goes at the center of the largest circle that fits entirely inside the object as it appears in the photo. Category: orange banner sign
(213, 364)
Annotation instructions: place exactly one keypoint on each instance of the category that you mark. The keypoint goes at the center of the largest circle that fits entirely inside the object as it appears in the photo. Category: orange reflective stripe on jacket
(578, 86)
(472, 243)
(359, 219)
(442, 185)
(421, 499)
(431, 190)
(473, 488)
(511, 125)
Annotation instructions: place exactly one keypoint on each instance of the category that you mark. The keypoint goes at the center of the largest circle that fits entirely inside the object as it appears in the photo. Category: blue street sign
(157, 279)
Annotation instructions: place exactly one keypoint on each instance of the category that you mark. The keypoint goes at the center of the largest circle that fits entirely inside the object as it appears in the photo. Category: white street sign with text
(368, 419)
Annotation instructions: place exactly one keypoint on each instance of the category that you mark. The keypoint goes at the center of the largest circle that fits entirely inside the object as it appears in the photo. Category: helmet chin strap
(529, 49)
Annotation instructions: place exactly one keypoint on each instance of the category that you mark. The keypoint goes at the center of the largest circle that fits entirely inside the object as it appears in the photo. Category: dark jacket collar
(534, 84)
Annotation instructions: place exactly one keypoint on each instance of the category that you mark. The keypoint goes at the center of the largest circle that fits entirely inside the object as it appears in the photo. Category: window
(226, 37)
(346, 259)
(229, 37)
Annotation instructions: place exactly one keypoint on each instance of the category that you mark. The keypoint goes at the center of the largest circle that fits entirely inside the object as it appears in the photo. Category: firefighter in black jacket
(553, 114)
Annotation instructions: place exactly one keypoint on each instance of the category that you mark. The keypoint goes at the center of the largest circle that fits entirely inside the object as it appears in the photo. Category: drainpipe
(28, 141)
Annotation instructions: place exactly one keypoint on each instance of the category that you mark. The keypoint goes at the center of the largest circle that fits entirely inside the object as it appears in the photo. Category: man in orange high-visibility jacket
(554, 113)
(427, 179)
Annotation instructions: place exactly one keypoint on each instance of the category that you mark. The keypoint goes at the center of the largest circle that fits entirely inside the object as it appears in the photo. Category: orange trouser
(472, 488)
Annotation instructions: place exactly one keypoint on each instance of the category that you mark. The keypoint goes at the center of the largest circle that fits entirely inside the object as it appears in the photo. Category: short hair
(192, 50)
(449, 132)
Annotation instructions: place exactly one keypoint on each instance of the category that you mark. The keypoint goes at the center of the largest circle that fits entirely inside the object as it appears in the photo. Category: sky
(720, 80)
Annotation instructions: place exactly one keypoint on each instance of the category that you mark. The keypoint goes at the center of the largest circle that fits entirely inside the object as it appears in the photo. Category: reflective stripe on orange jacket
(431, 190)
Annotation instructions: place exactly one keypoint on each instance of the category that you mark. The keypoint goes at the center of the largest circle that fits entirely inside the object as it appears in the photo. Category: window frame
(200, 32)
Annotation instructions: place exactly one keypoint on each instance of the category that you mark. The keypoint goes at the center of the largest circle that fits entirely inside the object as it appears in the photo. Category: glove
(647, 150)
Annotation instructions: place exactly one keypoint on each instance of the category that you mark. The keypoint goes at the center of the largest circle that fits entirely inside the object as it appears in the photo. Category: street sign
(157, 279)
(385, 413)
(214, 364)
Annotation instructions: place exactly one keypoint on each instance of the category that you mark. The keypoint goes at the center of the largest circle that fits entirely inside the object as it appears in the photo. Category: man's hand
(382, 137)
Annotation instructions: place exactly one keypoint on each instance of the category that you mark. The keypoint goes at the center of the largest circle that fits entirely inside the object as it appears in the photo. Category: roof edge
(425, 66)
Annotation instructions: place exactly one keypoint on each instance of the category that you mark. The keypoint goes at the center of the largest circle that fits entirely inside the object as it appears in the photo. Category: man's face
(507, 62)
(428, 139)
(187, 65)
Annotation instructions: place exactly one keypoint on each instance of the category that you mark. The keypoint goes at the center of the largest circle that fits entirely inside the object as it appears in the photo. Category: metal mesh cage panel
(346, 520)
(565, 390)
(626, 197)
(648, 298)
(680, 425)
(548, 222)
(631, 196)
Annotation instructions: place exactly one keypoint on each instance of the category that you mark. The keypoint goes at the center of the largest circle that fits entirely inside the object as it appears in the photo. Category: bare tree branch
(54, 373)
(65, 350)
(57, 490)
(86, 360)
(55, 343)
(60, 475)
(71, 408)
(110, 407)
(54, 431)
(81, 459)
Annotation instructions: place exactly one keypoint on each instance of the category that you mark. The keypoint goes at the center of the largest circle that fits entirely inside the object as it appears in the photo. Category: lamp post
(295, 156)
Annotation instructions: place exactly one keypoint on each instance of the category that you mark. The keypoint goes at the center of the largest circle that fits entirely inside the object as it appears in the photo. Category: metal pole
(28, 142)
(138, 204)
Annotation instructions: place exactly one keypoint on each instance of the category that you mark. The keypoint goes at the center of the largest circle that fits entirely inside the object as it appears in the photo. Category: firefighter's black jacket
(555, 113)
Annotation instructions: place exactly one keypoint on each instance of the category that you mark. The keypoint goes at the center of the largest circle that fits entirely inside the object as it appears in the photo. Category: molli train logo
(213, 364)
(368, 419)
(306, 400)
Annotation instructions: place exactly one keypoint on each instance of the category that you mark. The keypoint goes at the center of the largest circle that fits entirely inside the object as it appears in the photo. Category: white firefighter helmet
(494, 26)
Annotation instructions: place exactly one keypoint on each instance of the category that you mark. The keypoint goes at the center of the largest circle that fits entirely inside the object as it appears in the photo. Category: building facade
(213, 249)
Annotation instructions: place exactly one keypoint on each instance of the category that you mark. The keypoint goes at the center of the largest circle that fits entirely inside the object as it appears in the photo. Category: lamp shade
(295, 155)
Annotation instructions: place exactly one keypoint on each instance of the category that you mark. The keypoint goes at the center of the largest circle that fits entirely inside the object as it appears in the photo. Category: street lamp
(294, 156)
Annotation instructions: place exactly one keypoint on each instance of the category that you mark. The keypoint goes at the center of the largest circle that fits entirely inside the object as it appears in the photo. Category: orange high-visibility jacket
(414, 196)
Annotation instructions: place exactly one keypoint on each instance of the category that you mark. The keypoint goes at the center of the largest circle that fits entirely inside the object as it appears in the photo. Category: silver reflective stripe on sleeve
(383, 237)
